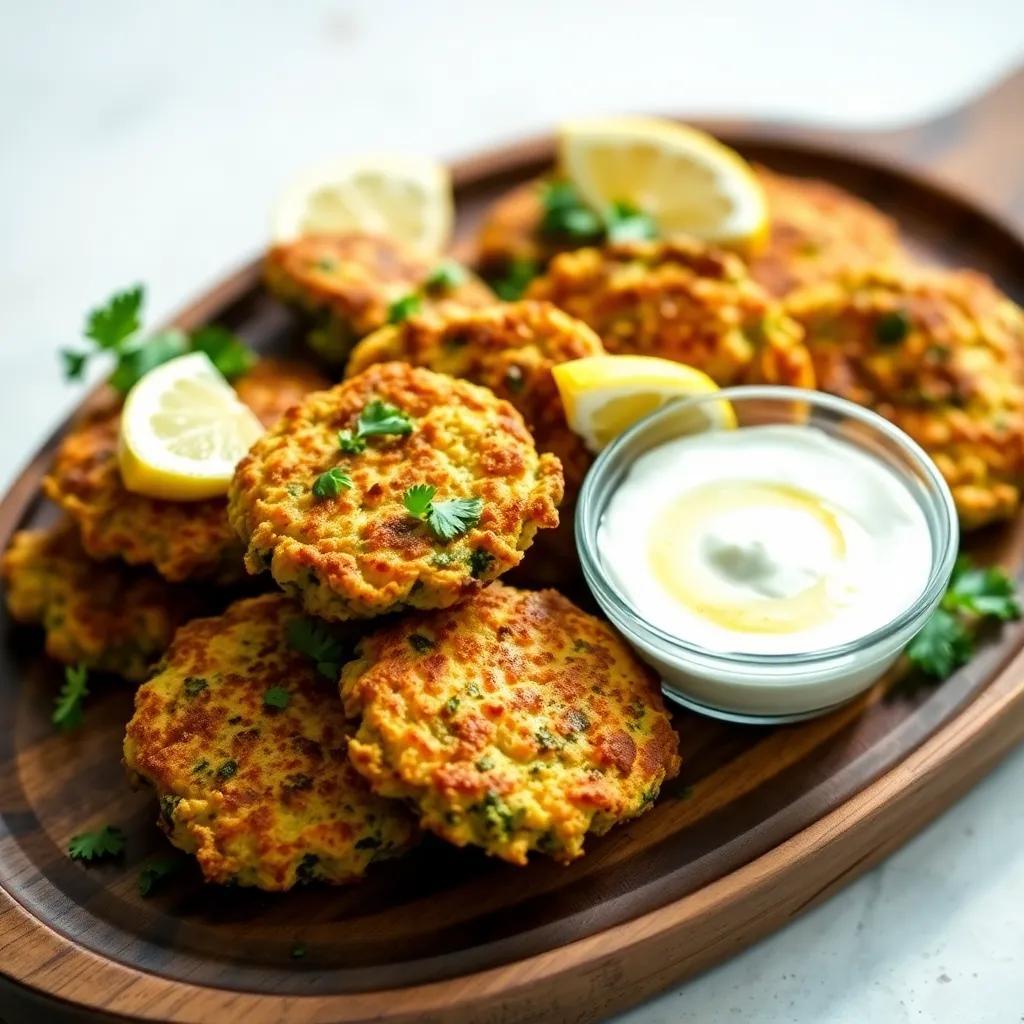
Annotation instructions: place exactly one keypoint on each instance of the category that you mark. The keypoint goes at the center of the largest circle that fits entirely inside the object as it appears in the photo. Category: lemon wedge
(687, 181)
(403, 197)
(183, 430)
(604, 395)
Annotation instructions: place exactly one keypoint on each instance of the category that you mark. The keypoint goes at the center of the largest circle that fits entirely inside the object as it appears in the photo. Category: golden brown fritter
(359, 552)
(347, 283)
(511, 232)
(680, 300)
(245, 744)
(514, 722)
(183, 540)
(509, 348)
(941, 355)
(103, 615)
(818, 231)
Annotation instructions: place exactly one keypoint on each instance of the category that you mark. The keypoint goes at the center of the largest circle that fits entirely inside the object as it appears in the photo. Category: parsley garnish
(331, 483)
(116, 328)
(153, 873)
(624, 222)
(376, 418)
(91, 846)
(67, 711)
(276, 697)
(444, 277)
(420, 643)
(480, 562)
(227, 769)
(974, 594)
(316, 641)
(566, 215)
(403, 308)
(518, 275)
(448, 519)
(892, 328)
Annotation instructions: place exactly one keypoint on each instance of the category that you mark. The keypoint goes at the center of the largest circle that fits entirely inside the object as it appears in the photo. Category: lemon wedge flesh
(604, 395)
(403, 197)
(183, 430)
(687, 181)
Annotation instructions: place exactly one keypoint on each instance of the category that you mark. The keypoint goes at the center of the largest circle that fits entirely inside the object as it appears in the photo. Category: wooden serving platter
(762, 823)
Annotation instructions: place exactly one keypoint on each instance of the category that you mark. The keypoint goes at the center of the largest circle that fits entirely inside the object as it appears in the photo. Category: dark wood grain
(761, 823)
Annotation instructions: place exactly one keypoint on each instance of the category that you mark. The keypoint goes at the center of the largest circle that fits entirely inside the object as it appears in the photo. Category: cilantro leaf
(90, 846)
(403, 308)
(566, 215)
(110, 326)
(942, 646)
(450, 519)
(276, 697)
(331, 483)
(418, 498)
(376, 418)
(145, 354)
(67, 711)
(625, 222)
(316, 641)
(982, 592)
(154, 873)
(74, 363)
(444, 277)
(892, 328)
(518, 275)
(226, 350)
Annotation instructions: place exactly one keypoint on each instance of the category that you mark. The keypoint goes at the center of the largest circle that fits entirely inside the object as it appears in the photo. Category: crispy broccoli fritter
(680, 300)
(351, 284)
(103, 615)
(941, 355)
(327, 509)
(183, 540)
(246, 746)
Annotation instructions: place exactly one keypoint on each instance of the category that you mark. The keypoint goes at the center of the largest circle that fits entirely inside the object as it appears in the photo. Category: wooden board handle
(977, 147)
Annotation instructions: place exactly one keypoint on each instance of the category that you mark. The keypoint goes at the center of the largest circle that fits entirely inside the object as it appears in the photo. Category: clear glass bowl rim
(943, 558)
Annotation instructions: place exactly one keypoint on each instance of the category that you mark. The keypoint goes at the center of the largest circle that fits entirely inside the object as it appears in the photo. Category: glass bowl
(769, 688)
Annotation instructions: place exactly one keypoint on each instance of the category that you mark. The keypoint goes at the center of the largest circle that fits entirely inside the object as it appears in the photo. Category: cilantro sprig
(153, 874)
(448, 519)
(567, 217)
(404, 307)
(67, 709)
(316, 641)
(515, 280)
(974, 595)
(377, 418)
(115, 329)
(276, 697)
(99, 845)
(331, 483)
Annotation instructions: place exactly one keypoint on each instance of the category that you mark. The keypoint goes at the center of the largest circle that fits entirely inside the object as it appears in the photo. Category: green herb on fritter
(448, 519)
(517, 277)
(892, 328)
(403, 308)
(92, 846)
(624, 222)
(444, 277)
(276, 697)
(67, 710)
(316, 641)
(331, 483)
(377, 418)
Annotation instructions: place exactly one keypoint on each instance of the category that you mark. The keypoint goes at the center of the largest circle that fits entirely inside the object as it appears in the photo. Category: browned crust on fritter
(680, 300)
(263, 796)
(515, 722)
(103, 615)
(361, 554)
(819, 230)
(954, 381)
(182, 540)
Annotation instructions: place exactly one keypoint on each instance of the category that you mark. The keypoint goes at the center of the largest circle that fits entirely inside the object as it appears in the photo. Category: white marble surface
(145, 142)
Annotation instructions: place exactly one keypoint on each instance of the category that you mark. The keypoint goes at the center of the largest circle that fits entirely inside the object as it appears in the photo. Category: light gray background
(146, 141)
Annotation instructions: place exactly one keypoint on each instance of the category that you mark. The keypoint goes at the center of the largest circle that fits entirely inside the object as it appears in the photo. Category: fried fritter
(348, 282)
(104, 615)
(818, 231)
(183, 540)
(360, 552)
(514, 722)
(680, 300)
(245, 744)
(941, 355)
(509, 348)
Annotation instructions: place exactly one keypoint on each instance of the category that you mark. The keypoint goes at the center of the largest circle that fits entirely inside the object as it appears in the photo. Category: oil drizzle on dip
(765, 540)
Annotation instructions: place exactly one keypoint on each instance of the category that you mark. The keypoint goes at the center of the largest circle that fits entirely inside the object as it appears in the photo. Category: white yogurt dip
(771, 540)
